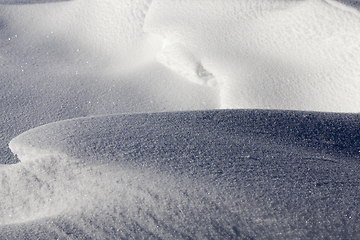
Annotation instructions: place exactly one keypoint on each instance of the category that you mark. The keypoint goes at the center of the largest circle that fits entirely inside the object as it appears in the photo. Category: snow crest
(241, 173)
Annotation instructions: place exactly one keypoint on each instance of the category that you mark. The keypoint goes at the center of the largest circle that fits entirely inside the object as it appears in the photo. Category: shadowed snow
(179, 174)
(216, 174)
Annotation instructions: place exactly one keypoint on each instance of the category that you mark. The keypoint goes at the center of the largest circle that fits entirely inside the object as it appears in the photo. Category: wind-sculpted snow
(250, 174)
(301, 55)
(66, 59)
(78, 58)
(245, 174)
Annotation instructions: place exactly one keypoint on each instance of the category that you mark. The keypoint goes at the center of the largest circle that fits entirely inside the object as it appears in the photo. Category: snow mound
(69, 59)
(299, 55)
(203, 174)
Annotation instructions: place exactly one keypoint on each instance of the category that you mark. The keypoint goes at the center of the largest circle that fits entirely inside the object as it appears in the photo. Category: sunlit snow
(193, 119)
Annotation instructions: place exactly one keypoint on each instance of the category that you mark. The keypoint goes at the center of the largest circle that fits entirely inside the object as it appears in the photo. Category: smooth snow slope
(247, 174)
(301, 55)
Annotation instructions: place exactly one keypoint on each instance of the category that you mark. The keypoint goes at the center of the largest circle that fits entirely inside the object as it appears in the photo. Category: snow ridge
(239, 173)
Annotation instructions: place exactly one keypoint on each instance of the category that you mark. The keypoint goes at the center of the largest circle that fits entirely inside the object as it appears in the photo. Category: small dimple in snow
(205, 75)
(202, 72)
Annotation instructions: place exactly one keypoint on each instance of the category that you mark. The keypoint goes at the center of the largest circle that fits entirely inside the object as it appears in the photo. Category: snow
(220, 173)
(112, 128)
(271, 54)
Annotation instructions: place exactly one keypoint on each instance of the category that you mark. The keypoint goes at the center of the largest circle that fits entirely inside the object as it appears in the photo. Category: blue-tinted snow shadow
(298, 171)
(354, 3)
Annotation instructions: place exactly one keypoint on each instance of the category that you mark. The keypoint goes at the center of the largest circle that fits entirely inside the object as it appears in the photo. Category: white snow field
(189, 119)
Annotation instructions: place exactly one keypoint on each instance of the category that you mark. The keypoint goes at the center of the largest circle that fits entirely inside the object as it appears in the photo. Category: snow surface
(91, 172)
(265, 54)
(205, 174)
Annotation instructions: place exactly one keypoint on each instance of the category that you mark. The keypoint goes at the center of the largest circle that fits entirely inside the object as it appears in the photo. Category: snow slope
(178, 173)
(264, 54)
(251, 174)
(66, 59)
(71, 59)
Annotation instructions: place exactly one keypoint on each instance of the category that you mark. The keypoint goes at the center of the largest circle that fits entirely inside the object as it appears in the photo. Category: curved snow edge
(112, 134)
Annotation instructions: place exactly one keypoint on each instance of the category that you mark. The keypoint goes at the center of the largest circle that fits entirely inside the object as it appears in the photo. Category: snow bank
(205, 174)
(71, 59)
(244, 173)
(301, 55)
(67, 59)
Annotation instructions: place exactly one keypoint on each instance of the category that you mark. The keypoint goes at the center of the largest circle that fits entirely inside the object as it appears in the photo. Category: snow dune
(112, 110)
(207, 174)
(264, 54)
(74, 59)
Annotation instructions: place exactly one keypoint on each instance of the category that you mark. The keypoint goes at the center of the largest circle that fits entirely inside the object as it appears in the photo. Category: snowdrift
(297, 55)
(203, 174)
(179, 174)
